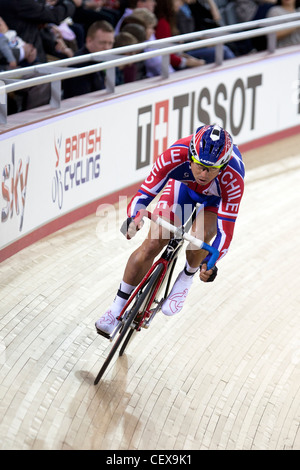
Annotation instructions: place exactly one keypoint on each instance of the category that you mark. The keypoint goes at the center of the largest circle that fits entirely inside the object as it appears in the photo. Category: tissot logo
(144, 133)
(161, 127)
(232, 105)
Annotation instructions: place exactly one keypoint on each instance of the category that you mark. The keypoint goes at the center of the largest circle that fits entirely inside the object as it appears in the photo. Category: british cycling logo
(14, 186)
(77, 162)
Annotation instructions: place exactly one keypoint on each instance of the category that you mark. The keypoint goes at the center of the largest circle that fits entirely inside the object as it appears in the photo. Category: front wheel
(126, 341)
(141, 302)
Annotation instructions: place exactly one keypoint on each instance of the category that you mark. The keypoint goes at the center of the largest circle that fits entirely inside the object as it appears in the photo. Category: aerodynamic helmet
(211, 146)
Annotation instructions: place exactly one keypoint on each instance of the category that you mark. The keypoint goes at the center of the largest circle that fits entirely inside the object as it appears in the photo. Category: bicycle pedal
(102, 333)
(109, 336)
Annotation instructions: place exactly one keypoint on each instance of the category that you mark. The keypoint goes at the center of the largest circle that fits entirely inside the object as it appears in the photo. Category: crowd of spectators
(39, 31)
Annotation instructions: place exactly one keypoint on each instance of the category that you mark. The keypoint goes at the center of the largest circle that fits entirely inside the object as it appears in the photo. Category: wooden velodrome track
(224, 374)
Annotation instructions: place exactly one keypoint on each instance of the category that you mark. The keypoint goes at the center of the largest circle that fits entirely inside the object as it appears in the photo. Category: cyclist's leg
(180, 196)
(126, 332)
(204, 227)
(138, 264)
(141, 260)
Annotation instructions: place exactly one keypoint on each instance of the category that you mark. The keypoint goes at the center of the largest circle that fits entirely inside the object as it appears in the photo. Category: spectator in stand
(137, 29)
(288, 37)
(126, 73)
(26, 17)
(166, 27)
(100, 37)
(205, 13)
(55, 46)
(146, 18)
(7, 58)
(250, 10)
(153, 66)
(71, 33)
(132, 5)
(14, 51)
(185, 21)
(186, 24)
(96, 10)
(132, 19)
(136, 26)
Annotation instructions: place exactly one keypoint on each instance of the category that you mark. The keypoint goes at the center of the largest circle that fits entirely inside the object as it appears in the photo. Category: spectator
(250, 10)
(136, 26)
(206, 14)
(6, 54)
(126, 73)
(153, 66)
(147, 18)
(54, 44)
(185, 21)
(124, 39)
(186, 24)
(138, 30)
(14, 49)
(132, 5)
(26, 17)
(100, 37)
(133, 19)
(24, 54)
(96, 10)
(288, 37)
(166, 27)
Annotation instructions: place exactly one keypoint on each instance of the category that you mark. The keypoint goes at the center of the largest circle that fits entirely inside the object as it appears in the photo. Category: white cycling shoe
(108, 322)
(175, 301)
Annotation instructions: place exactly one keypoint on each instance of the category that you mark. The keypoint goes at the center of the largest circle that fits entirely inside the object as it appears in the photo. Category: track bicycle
(146, 300)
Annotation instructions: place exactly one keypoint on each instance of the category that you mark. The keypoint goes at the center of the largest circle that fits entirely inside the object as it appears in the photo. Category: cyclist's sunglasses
(216, 167)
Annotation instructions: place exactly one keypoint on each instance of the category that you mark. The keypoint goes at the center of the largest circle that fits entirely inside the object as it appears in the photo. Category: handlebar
(179, 232)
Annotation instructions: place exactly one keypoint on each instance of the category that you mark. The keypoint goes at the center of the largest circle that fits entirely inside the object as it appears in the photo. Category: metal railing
(55, 72)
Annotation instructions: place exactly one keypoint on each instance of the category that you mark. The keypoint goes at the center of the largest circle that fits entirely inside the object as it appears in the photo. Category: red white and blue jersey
(222, 195)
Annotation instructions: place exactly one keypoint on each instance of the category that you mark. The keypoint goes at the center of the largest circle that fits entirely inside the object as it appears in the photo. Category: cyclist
(204, 168)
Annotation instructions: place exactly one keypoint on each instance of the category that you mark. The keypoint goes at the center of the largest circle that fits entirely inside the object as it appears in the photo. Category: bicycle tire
(147, 295)
(132, 314)
(126, 341)
(166, 288)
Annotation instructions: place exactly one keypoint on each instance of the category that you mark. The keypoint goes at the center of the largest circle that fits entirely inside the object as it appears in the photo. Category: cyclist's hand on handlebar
(129, 228)
(207, 276)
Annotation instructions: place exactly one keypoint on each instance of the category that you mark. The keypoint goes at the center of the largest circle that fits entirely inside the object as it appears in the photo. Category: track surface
(224, 374)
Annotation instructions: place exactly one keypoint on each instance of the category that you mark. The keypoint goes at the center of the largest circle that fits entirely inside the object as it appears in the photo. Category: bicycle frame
(165, 259)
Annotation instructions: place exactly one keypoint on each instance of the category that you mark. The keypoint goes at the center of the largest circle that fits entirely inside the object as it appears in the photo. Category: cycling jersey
(172, 171)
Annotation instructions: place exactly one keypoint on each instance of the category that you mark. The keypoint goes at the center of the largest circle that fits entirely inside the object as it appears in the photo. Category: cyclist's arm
(232, 189)
(161, 172)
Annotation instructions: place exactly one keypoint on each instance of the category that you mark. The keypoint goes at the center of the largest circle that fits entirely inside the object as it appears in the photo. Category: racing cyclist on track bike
(205, 168)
